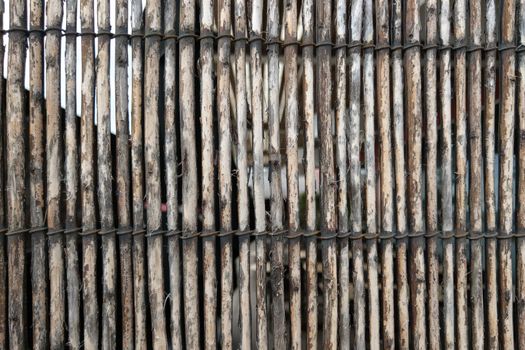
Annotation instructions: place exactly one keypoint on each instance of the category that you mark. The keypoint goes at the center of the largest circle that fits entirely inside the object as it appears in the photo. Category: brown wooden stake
(36, 173)
(123, 175)
(447, 225)
(276, 201)
(521, 181)
(257, 93)
(489, 136)
(189, 174)
(309, 135)
(354, 147)
(137, 178)
(506, 131)
(57, 287)
(415, 195)
(89, 239)
(328, 177)
(342, 174)
(476, 177)
(208, 176)
(72, 182)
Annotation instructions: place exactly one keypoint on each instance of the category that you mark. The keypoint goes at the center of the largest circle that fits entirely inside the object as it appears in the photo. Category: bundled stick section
(262, 174)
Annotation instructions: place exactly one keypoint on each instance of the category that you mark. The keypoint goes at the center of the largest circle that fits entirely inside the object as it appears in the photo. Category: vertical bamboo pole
(57, 288)
(3, 252)
(328, 180)
(256, 57)
(123, 173)
(415, 196)
(489, 136)
(342, 173)
(208, 175)
(521, 182)
(72, 180)
(445, 91)
(89, 239)
(385, 171)
(225, 181)
(370, 158)
(137, 177)
(152, 167)
(476, 176)
(398, 116)
(36, 177)
(170, 158)
(506, 128)
(460, 89)
(242, 174)
(276, 201)
(309, 135)
(292, 163)
(104, 174)
(354, 147)
(15, 113)
(189, 174)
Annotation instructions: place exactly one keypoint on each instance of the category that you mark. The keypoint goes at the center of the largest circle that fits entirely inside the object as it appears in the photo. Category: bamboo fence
(262, 174)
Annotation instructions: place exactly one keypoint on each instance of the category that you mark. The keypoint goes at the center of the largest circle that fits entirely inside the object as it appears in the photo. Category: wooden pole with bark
(520, 283)
(156, 294)
(506, 131)
(276, 200)
(87, 143)
(123, 175)
(137, 178)
(208, 175)
(476, 176)
(256, 57)
(37, 201)
(415, 188)
(57, 287)
(309, 169)
(489, 146)
(189, 174)
(3, 209)
(354, 147)
(72, 182)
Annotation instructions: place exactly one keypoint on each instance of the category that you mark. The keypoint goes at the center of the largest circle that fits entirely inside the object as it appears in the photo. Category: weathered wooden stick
(189, 174)
(123, 175)
(36, 178)
(89, 239)
(3, 218)
(489, 137)
(104, 175)
(257, 94)
(506, 130)
(521, 181)
(476, 177)
(415, 195)
(153, 23)
(431, 139)
(15, 114)
(242, 174)
(309, 169)
(342, 174)
(208, 175)
(368, 109)
(225, 177)
(386, 173)
(460, 90)
(354, 147)
(276, 200)
(137, 178)
(328, 177)
(292, 167)
(57, 287)
(447, 215)
(72, 182)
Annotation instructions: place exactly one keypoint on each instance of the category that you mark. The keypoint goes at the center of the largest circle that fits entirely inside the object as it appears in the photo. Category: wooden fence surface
(262, 174)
